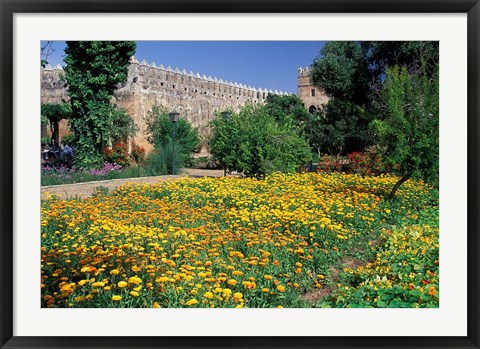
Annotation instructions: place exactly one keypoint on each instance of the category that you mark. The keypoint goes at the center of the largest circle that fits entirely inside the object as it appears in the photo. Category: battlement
(303, 72)
(168, 76)
(207, 84)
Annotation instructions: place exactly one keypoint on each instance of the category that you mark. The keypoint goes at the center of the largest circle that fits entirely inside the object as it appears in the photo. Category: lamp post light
(173, 118)
(225, 116)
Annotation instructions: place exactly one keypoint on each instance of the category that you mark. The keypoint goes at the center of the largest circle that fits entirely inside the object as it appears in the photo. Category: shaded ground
(88, 188)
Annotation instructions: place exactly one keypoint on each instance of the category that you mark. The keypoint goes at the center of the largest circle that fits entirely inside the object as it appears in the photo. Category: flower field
(299, 240)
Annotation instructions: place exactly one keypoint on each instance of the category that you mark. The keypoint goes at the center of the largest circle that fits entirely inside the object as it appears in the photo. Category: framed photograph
(239, 174)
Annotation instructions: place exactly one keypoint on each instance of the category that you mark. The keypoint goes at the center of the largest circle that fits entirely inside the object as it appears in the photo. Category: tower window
(312, 92)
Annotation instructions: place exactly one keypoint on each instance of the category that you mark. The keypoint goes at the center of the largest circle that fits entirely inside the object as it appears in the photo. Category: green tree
(254, 143)
(160, 129)
(342, 71)
(290, 109)
(52, 114)
(93, 70)
(351, 73)
(409, 128)
(383, 54)
(284, 108)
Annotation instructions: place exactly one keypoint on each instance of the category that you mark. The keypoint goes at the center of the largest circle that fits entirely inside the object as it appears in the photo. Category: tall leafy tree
(93, 70)
(342, 71)
(409, 126)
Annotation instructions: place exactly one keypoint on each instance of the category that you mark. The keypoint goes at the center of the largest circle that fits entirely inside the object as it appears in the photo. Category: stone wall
(196, 97)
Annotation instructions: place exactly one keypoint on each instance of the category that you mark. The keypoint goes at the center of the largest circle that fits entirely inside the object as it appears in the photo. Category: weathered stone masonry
(196, 97)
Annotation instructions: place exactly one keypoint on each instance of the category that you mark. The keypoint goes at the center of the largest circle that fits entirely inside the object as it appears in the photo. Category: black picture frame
(10, 7)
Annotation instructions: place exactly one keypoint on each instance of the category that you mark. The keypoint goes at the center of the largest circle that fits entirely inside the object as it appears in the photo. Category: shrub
(138, 154)
(118, 154)
(254, 143)
(328, 163)
(159, 161)
(367, 163)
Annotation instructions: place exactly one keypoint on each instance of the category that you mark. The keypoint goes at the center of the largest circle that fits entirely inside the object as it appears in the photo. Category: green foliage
(285, 108)
(45, 140)
(159, 161)
(254, 143)
(55, 112)
(123, 126)
(68, 139)
(289, 109)
(160, 131)
(351, 73)
(383, 54)
(342, 71)
(93, 70)
(409, 128)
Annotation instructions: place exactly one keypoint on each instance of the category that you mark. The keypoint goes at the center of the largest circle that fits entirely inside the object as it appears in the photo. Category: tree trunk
(56, 133)
(396, 186)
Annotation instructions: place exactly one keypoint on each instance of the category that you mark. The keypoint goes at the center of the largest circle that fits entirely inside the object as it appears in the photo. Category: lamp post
(225, 116)
(173, 118)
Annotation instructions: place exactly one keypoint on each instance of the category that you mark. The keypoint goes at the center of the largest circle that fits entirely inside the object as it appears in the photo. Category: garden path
(86, 189)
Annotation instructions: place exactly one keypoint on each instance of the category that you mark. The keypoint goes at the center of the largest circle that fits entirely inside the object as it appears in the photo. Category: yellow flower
(114, 272)
(237, 296)
(280, 288)
(265, 290)
(192, 302)
(208, 295)
(122, 284)
(232, 282)
(320, 276)
(268, 277)
(134, 293)
(116, 298)
(156, 305)
(134, 280)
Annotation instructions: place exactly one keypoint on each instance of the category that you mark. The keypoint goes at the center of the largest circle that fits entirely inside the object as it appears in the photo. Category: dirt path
(86, 189)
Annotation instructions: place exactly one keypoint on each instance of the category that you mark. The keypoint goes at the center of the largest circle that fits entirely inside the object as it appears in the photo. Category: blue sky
(266, 64)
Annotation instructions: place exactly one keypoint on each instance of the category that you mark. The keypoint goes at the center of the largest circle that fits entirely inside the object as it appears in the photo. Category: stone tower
(313, 97)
